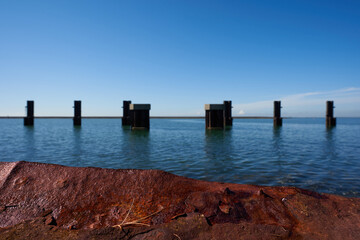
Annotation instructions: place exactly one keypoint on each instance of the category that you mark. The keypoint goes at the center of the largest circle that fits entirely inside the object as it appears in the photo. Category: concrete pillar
(29, 119)
(227, 114)
(77, 113)
(214, 116)
(126, 120)
(140, 116)
(330, 120)
(277, 114)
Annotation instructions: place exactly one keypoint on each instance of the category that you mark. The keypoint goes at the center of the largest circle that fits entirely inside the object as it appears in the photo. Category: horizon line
(154, 117)
(120, 117)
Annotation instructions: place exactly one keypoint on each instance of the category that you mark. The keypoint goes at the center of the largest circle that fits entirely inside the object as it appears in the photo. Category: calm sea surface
(302, 153)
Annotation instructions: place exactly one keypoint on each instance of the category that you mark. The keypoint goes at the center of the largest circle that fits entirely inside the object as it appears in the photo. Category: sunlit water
(302, 153)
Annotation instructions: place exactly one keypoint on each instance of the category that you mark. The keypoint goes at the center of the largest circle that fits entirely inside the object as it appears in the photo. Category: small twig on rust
(177, 236)
(137, 221)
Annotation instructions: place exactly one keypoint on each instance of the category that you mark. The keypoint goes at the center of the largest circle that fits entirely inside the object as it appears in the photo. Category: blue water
(302, 153)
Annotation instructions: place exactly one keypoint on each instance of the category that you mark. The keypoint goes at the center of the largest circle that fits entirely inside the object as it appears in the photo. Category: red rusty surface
(94, 198)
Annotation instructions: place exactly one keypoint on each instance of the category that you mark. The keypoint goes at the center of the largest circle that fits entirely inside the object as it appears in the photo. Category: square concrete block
(140, 106)
(214, 106)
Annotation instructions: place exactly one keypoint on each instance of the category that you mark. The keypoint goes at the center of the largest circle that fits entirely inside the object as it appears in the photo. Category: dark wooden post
(77, 113)
(277, 114)
(214, 116)
(330, 120)
(29, 119)
(228, 120)
(126, 120)
(140, 116)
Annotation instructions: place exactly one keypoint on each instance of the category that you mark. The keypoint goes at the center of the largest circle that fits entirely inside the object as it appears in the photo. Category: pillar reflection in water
(329, 145)
(136, 149)
(30, 148)
(77, 146)
(277, 141)
(219, 151)
(278, 156)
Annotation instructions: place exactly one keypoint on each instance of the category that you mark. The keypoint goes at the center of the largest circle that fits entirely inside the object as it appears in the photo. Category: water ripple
(302, 153)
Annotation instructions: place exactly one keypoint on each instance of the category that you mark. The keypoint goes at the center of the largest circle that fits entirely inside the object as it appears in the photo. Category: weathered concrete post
(330, 120)
(29, 119)
(227, 114)
(214, 118)
(277, 114)
(77, 113)
(140, 116)
(126, 120)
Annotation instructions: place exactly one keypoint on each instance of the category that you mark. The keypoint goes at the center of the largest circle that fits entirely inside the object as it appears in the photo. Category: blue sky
(180, 55)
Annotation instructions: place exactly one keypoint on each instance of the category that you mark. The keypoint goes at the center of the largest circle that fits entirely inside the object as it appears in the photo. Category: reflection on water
(277, 140)
(136, 143)
(284, 160)
(30, 148)
(301, 153)
(277, 149)
(218, 151)
(77, 143)
(329, 146)
(218, 144)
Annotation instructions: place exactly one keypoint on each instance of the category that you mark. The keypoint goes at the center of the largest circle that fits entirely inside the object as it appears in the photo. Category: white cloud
(311, 104)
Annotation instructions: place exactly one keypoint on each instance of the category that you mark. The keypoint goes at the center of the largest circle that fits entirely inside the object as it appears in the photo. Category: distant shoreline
(152, 117)
(119, 117)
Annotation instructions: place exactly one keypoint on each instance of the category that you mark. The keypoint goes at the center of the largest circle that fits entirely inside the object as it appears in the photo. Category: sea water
(301, 153)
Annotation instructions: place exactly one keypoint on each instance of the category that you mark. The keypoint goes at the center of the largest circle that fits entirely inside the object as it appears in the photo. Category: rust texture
(41, 200)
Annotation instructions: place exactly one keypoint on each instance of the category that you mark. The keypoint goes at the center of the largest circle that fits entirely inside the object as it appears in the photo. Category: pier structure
(126, 119)
(140, 116)
(277, 114)
(330, 120)
(214, 116)
(77, 113)
(218, 116)
(29, 119)
(228, 120)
